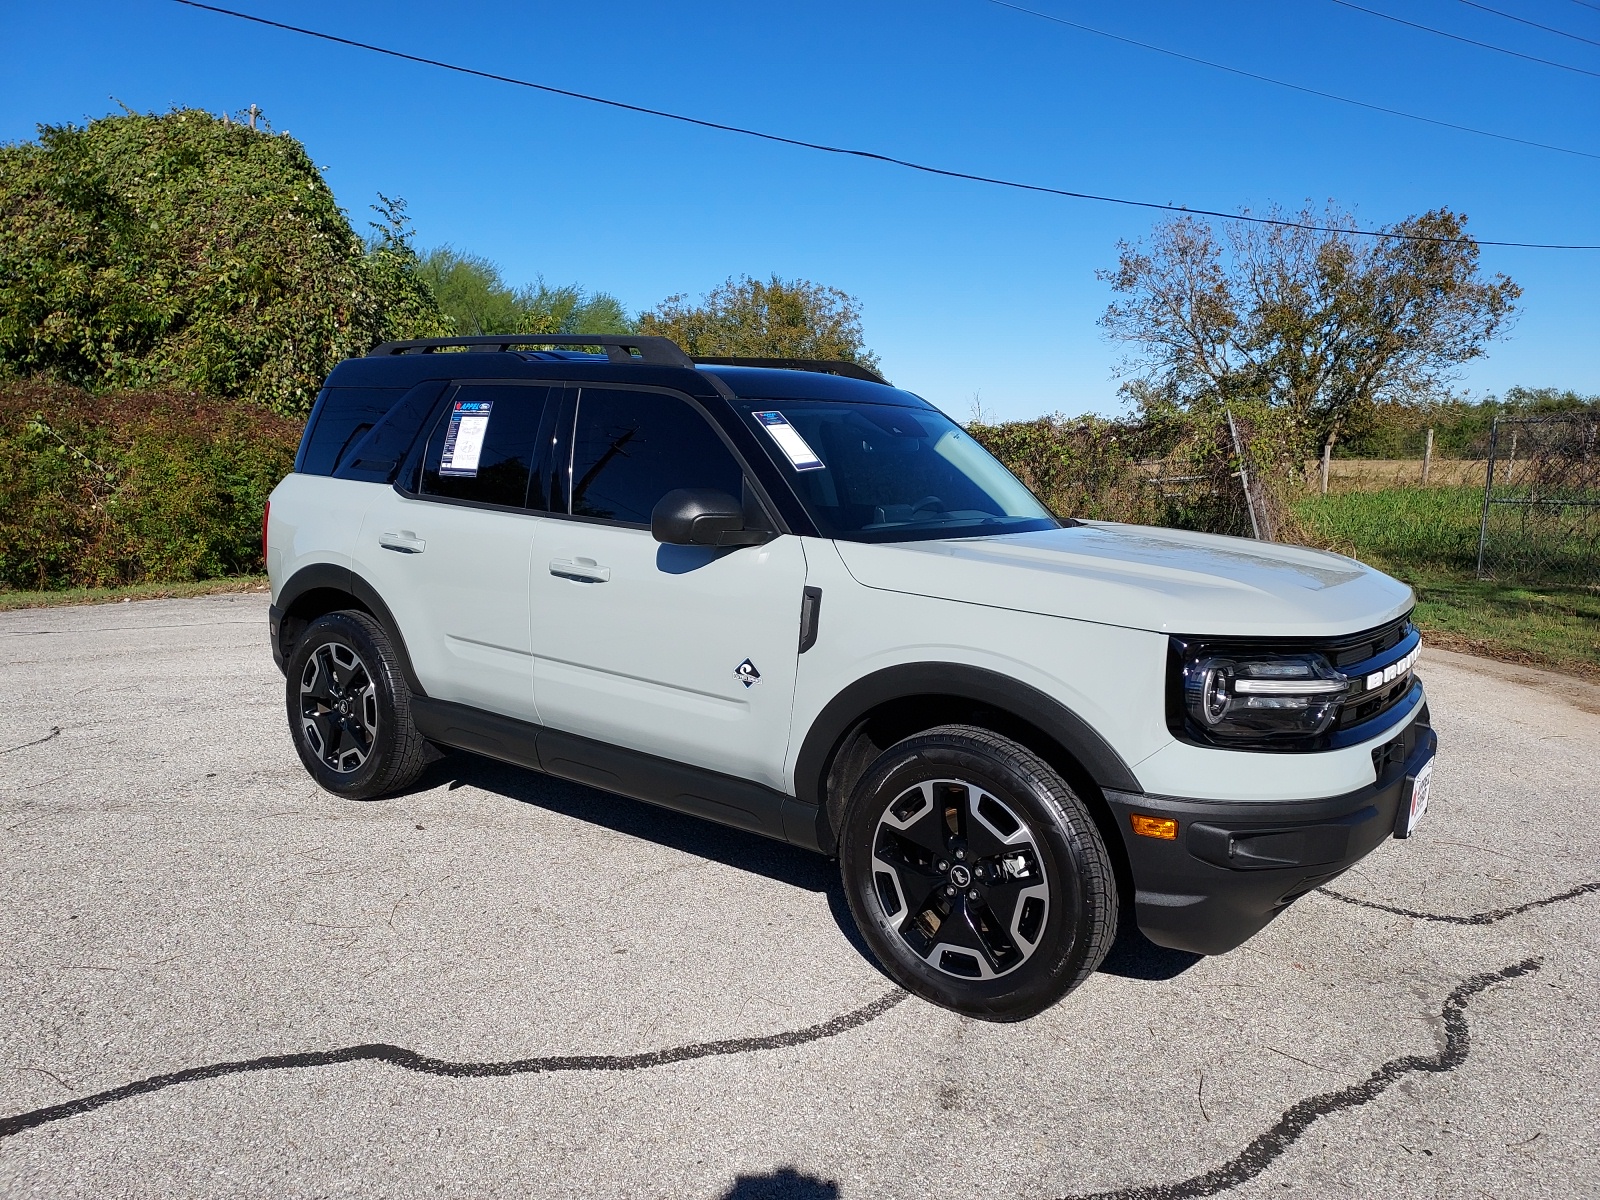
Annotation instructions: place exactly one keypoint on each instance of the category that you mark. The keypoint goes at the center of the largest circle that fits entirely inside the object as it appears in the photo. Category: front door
(687, 653)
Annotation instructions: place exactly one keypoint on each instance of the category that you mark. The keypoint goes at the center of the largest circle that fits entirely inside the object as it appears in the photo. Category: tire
(350, 708)
(976, 874)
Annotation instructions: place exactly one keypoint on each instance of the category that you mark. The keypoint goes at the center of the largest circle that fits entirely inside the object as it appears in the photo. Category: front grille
(1366, 653)
(1374, 704)
(1362, 646)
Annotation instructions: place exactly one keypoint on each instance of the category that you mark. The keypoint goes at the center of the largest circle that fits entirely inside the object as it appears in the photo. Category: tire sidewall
(1059, 825)
(346, 629)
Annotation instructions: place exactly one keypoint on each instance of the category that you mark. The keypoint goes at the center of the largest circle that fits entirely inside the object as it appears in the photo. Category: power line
(1295, 87)
(1533, 24)
(1456, 37)
(867, 154)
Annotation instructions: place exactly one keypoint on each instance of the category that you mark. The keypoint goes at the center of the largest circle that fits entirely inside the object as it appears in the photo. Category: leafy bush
(120, 488)
(183, 251)
(1169, 467)
(476, 300)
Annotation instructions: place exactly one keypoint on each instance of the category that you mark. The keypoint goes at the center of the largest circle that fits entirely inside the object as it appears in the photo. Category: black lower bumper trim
(1234, 866)
(274, 619)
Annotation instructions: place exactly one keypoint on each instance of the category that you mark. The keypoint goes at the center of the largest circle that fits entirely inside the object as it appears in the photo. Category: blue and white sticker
(801, 456)
(463, 441)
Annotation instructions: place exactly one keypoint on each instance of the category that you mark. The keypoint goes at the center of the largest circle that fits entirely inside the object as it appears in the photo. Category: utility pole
(1427, 457)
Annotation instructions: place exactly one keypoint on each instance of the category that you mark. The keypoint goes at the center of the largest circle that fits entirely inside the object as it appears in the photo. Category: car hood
(1139, 577)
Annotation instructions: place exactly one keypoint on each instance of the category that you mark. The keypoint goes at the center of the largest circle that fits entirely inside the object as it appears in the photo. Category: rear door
(451, 554)
(683, 652)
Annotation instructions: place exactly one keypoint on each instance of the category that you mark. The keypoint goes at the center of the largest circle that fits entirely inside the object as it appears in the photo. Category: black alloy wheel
(976, 874)
(350, 708)
(338, 708)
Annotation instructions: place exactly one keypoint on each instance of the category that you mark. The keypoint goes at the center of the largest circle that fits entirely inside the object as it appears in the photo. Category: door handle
(404, 542)
(584, 570)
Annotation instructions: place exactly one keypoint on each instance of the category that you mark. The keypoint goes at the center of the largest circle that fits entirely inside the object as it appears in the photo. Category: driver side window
(631, 448)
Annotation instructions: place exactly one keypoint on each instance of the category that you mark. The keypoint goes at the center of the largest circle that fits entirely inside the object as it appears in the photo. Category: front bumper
(1234, 866)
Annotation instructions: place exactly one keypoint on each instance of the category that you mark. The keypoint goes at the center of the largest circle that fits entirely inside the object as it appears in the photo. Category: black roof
(403, 365)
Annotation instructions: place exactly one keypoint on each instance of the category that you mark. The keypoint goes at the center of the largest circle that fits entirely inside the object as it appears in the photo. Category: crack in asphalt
(55, 732)
(1261, 1152)
(425, 1064)
(1482, 918)
(1267, 1147)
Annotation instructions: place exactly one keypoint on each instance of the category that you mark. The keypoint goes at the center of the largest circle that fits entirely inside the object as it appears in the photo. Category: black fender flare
(328, 577)
(957, 681)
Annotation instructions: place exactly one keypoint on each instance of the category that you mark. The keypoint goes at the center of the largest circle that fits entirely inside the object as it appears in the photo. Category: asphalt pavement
(216, 979)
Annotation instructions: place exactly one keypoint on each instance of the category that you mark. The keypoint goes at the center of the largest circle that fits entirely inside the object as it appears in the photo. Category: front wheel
(976, 874)
(350, 708)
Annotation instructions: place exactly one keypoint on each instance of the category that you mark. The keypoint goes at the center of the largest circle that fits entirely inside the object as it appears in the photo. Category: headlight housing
(1257, 698)
(1290, 696)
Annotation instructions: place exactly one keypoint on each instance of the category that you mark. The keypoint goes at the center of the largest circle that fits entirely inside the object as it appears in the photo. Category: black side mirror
(702, 517)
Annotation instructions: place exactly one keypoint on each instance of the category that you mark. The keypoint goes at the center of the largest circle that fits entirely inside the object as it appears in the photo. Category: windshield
(883, 473)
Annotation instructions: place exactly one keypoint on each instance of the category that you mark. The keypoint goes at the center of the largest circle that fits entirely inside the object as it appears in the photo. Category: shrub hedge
(119, 488)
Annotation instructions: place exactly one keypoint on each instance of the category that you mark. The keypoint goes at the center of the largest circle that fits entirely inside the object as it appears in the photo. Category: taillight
(266, 515)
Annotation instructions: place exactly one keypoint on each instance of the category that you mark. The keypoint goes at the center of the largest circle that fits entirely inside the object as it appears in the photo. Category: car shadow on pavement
(785, 1183)
(1133, 956)
(679, 831)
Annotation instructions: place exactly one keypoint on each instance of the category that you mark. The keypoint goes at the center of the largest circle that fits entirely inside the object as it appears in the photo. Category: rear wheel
(976, 874)
(350, 708)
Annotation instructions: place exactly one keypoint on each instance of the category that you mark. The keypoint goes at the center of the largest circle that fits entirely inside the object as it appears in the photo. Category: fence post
(1327, 454)
(1427, 457)
(1488, 486)
(1244, 477)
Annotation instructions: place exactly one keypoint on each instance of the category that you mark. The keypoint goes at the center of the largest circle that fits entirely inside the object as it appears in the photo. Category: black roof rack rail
(626, 348)
(821, 366)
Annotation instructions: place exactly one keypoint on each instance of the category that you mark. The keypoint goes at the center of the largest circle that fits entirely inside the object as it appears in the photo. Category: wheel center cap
(960, 875)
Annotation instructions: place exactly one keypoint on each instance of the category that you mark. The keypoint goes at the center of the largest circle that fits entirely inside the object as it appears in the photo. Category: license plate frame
(1414, 800)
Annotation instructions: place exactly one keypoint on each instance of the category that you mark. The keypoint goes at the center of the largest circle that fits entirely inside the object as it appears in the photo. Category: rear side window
(343, 416)
(484, 445)
(629, 449)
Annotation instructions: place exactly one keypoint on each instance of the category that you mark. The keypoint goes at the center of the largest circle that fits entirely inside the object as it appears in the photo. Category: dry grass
(1378, 474)
(142, 591)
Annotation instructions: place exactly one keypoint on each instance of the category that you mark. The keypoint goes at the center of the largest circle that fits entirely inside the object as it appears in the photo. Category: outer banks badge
(747, 674)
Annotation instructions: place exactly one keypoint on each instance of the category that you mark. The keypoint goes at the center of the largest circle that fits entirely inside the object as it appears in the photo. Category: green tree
(781, 318)
(476, 299)
(1313, 328)
(186, 250)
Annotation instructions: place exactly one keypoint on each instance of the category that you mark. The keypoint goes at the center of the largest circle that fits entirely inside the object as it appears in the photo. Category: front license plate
(1419, 797)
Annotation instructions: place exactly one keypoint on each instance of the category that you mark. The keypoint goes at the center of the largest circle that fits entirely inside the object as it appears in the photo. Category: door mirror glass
(702, 517)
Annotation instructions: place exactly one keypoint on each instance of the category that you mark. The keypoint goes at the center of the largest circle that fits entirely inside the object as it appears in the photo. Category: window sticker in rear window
(463, 441)
(801, 456)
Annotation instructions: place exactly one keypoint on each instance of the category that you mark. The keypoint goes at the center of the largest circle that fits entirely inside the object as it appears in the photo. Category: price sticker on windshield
(787, 438)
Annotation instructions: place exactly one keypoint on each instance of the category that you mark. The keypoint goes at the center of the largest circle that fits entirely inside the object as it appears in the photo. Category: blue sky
(967, 289)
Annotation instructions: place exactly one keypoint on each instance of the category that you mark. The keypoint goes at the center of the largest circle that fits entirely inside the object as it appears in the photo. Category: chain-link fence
(1541, 501)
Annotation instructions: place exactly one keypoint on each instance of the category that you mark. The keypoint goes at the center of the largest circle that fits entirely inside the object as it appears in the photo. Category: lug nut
(961, 853)
(973, 894)
(948, 890)
(942, 865)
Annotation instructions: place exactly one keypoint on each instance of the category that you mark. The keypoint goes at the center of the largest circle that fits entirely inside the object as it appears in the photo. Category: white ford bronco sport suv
(792, 598)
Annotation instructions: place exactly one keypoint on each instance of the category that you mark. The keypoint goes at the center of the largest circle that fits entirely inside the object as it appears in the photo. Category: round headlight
(1214, 695)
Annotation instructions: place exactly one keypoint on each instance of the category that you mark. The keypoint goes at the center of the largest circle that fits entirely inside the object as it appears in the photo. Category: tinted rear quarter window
(342, 417)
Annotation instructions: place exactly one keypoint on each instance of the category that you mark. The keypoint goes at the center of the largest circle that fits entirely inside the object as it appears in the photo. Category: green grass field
(1429, 538)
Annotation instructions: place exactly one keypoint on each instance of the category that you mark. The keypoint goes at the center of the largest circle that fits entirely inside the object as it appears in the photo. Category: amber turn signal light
(1156, 827)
